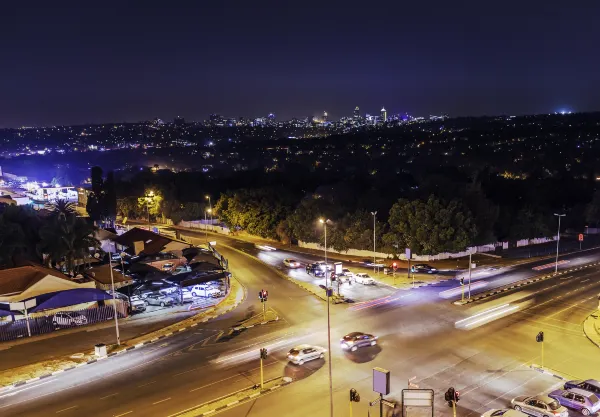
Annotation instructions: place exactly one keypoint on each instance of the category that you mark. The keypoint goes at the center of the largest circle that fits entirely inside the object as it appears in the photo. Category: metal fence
(41, 323)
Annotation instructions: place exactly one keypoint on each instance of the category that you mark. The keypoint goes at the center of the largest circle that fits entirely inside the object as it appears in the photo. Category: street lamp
(149, 197)
(112, 283)
(374, 213)
(209, 210)
(206, 224)
(324, 223)
(557, 241)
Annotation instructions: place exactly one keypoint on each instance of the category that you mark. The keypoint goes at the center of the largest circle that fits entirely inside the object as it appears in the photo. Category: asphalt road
(418, 337)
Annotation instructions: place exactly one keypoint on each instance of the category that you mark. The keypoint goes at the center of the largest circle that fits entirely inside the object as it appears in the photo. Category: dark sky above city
(72, 63)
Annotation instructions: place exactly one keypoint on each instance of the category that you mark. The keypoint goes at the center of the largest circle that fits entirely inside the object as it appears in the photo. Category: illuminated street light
(557, 241)
(206, 224)
(324, 223)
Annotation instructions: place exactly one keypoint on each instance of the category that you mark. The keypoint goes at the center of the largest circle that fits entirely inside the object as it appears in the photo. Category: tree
(529, 223)
(431, 227)
(109, 203)
(12, 242)
(151, 203)
(592, 210)
(27, 221)
(64, 208)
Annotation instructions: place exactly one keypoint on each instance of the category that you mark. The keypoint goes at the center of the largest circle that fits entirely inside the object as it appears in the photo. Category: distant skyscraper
(356, 113)
(324, 116)
(383, 115)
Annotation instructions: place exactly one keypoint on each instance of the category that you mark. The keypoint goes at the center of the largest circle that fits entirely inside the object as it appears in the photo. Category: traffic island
(268, 316)
(234, 399)
(591, 327)
(15, 377)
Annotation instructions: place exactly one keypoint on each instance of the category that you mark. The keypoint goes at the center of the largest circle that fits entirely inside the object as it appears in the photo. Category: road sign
(381, 381)
(407, 253)
(417, 397)
(581, 237)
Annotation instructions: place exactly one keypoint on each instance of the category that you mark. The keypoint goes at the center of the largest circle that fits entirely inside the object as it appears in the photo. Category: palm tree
(64, 208)
(65, 239)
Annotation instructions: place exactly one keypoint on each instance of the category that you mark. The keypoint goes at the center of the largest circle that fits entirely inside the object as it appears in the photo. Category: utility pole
(557, 241)
(263, 355)
(210, 210)
(470, 253)
(327, 292)
(112, 283)
(374, 213)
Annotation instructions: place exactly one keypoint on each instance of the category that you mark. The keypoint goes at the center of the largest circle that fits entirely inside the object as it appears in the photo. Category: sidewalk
(591, 327)
(43, 357)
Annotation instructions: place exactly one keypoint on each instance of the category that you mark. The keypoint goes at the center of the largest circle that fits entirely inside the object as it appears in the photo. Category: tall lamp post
(324, 223)
(557, 241)
(149, 197)
(374, 213)
(210, 210)
(206, 223)
(112, 283)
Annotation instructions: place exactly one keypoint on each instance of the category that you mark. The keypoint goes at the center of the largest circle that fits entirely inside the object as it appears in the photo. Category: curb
(546, 372)
(235, 402)
(122, 351)
(523, 283)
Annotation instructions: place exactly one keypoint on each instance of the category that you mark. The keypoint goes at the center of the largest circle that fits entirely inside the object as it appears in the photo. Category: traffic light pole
(264, 310)
(262, 383)
(454, 408)
(542, 353)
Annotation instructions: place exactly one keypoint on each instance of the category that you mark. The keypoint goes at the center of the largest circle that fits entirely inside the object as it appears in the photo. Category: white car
(504, 412)
(347, 273)
(168, 290)
(205, 291)
(69, 318)
(186, 295)
(291, 263)
(304, 353)
(364, 279)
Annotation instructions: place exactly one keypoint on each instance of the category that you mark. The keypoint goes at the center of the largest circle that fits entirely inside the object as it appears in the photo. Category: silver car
(539, 406)
(504, 412)
(305, 353)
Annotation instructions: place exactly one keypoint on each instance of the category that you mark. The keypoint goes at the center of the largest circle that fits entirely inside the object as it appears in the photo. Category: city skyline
(77, 65)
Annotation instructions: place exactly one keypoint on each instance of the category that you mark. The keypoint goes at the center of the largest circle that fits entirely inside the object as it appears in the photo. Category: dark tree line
(102, 199)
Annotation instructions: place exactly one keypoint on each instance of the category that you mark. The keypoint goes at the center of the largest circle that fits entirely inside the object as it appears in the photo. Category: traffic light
(540, 337)
(263, 353)
(462, 281)
(263, 295)
(354, 396)
(456, 396)
(395, 266)
(450, 396)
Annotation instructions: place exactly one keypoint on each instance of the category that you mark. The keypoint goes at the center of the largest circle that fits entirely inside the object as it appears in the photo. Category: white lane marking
(124, 414)
(161, 401)
(570, 307)
(19, 390)
(110, 395)
(147, 383)
(65, 409)
(585, 280)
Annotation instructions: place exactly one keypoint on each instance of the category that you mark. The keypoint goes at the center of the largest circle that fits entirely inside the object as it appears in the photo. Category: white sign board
(381, 381)
(417, 398)
(22, 305)
(213, 243)
(407, 253)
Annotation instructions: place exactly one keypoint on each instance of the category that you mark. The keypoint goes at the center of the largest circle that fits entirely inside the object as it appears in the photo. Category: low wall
(200, 225)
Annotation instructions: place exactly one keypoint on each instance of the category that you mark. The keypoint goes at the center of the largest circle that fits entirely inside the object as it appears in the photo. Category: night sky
(72, 63)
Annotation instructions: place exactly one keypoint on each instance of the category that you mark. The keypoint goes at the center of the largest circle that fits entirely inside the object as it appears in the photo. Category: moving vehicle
(364, 279)
(168, 267)
(539, 406)
(504, 412)
(590, 385)
(352, 341)
(347, 273)
(423, 269)
(315, 269)
(69, 318)
(584, 401)
(323, 265)
(159, 300)
(181, 269)
(305, 353)
(291, 263)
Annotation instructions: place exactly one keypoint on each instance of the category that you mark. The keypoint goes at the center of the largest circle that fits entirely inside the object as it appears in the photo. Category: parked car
(168, 290)
(186, 295)
(181, 269)
(159, 300)
(503, 412)
(590, 385)
(423, 269)
(204, 290)
(364, 279)
(168, 267)
(323, 265)
(69, 318)
(305, 353)
(539, 406)
(291, 263)
(137, 304)
(352, 341)
(584, 401)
